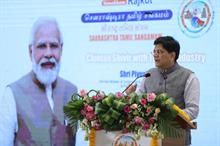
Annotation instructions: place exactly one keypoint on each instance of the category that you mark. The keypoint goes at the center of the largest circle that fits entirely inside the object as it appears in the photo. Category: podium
(146, 114)
(117, 138)
(174, 141)
(184, 124)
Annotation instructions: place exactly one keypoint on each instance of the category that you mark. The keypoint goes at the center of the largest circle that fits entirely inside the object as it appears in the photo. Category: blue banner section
(127, 16)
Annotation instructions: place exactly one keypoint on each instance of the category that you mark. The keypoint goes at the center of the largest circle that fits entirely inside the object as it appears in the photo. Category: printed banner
(118, 138)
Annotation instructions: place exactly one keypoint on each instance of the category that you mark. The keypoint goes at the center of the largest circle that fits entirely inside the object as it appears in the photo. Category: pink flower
(138, 120)
(82, 92)
(90, 116)
(151, 97)
(146, 126)
(151, 120)
(143, 101)
(127, 109)
(100, 96)
(88, 108)
(148, 110)
(95, 97)
(119, 95)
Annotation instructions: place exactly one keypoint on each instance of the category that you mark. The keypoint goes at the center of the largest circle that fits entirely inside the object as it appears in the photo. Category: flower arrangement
(142, 114)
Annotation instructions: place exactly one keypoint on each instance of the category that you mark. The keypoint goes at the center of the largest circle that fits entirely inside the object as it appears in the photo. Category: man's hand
(131, 89)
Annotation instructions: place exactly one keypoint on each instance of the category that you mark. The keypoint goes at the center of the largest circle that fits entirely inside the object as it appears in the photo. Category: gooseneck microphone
(145, 75)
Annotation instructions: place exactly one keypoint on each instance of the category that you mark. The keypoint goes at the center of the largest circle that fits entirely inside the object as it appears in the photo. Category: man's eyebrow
(46, 43)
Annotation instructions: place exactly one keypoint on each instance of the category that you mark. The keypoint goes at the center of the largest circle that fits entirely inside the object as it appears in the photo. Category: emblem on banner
(195, 17)
(125, 140)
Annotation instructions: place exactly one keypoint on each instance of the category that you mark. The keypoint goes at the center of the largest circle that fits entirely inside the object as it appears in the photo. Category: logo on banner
(125, 140)
(126, 2)
(114, 2)
(195, 17)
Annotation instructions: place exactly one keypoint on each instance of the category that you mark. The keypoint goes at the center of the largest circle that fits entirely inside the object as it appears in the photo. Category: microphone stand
(145, 75)
(131, 84)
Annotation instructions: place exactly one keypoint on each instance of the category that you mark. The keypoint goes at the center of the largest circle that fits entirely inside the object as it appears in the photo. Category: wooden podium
(174, 141)
(184, 124)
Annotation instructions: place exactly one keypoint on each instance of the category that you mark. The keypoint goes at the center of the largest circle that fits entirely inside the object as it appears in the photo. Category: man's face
(46, 45)
(45, 53)
(163, 59)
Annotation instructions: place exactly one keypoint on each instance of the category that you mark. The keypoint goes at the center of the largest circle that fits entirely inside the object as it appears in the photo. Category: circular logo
(125, 140)
(195, 17)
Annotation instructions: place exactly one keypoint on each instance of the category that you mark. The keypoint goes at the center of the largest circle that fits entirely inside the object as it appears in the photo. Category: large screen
(108, 43)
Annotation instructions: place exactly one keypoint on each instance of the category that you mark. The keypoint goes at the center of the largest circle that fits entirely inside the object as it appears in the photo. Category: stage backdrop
(107, 43)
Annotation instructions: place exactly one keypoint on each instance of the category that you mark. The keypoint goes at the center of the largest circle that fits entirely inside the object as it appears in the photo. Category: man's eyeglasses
(157, 52)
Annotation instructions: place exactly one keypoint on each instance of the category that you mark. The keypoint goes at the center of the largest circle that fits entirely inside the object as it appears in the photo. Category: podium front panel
(121, 139)
(174, 141)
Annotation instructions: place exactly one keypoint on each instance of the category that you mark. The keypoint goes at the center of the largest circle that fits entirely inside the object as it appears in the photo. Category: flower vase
(154, 141)
(117, 138)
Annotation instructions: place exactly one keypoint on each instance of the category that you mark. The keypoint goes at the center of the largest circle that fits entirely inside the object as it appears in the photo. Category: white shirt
(191, 96)
(8, 116)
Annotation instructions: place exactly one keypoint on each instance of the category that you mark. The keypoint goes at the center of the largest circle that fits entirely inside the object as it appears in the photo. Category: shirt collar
(169, 70)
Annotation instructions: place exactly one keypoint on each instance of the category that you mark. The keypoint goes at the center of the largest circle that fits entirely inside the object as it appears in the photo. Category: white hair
(46, 76)
(44, 21)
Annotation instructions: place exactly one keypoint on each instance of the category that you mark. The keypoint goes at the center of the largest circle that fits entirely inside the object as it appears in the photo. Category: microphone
(145, 75)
